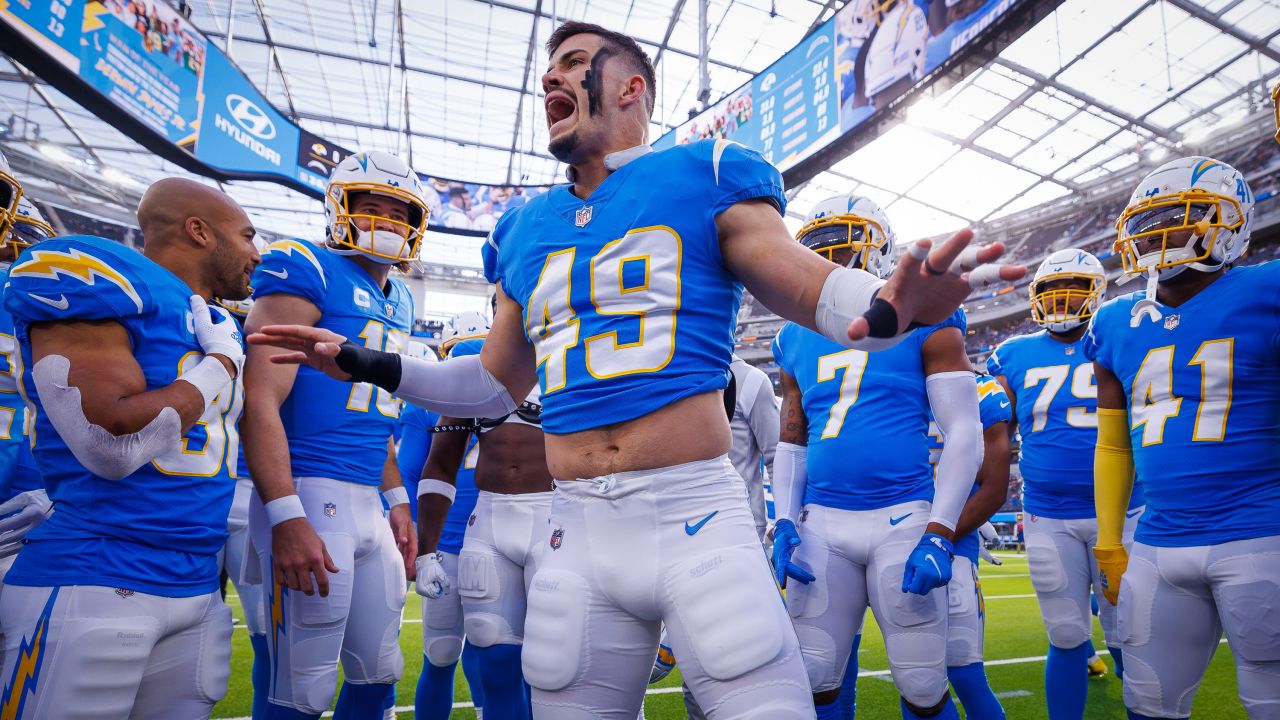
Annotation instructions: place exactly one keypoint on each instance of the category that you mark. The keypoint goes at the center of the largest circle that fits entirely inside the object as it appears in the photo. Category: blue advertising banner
(240, 131)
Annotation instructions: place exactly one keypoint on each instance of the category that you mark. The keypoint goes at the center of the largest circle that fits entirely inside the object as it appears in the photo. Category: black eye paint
(591, 82)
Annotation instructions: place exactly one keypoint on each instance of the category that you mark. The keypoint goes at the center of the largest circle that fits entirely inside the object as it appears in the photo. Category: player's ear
(633, 91)
(199, 232)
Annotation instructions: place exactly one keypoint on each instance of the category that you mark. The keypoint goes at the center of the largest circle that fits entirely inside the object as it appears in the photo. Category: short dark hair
(623, 45)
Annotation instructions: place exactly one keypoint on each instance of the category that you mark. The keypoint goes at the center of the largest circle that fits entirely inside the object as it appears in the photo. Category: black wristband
(882, 318)
(372, 366)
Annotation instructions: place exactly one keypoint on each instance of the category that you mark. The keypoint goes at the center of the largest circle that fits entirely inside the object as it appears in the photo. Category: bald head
(199, 233)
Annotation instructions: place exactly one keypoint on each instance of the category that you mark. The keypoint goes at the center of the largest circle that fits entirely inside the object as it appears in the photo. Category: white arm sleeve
(103, 454)
(846, 295)
(790, 473)
(988, 531)
(763, 417)
(953, 397)
(458, 387)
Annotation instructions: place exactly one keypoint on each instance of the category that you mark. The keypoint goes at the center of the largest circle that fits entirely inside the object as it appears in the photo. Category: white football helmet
(387, 241)
(899, 48)
(1051, 306)
(851, 221)
(1275, 102)
(419, 349)
(239, 309)
(1193, 212)
(463, 326)
(29, 227)
(10, 194)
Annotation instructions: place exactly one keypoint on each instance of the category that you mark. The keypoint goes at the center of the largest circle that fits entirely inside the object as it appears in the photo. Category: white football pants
(499, 557)
(239, 551)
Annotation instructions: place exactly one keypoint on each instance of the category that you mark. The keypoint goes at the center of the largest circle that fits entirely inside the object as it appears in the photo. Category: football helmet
(1193, 212)
(27, 228)
(10, 194)
(851, 221)
(419, 349)
(463, 326)
(1051, 307)
(386, 241)
(239, 309)
(899, 49)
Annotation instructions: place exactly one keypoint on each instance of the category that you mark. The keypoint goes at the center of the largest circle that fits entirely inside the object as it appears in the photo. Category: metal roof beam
(321, 117)
(1082, 97)
(1261, 45)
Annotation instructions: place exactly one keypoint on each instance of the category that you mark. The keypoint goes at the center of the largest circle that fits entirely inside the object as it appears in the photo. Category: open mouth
(560, 107)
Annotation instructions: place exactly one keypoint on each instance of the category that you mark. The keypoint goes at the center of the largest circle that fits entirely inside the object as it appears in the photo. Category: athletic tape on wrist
(284, 508)
(396, 496)
(371, 366)
(209, 376)
(430, 486)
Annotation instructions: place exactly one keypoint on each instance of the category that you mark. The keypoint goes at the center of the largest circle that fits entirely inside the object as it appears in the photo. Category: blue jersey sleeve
(77, 279)
(957, 320)
(995, 365)
(1095, 344)
(291, 267)
(415, 444)
(489, 250)
(470, 346)
(779, 355)
(993, 403)
(739, 173)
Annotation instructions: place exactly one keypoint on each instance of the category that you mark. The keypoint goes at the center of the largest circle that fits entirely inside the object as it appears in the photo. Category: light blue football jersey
(1203, 386)
(626, 298)
(413, 446)
(158, 530)
(868, 416)
(12, 406)
(1056, 400)
(993, 408)
(336, 429)
(464, 502)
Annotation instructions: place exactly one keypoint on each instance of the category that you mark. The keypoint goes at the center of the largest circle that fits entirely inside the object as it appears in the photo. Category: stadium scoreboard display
(864, 57)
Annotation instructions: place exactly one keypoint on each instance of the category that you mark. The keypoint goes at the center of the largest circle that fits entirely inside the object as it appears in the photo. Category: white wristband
(396, 496)
(438, 487)
(209, 376)
(284, 508)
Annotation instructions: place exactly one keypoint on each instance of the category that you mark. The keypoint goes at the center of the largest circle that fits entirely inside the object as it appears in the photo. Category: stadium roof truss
(1091, 90)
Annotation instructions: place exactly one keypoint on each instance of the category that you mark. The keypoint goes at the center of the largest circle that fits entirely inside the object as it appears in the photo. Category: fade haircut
(623, 47)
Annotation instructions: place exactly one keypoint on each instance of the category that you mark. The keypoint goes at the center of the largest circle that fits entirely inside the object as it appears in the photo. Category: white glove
(985, 554)
(432, 581)
(18, 516)
(220, 337)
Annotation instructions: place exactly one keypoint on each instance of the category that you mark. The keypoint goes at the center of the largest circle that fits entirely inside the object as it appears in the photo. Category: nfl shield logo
(1071, 350)
(330, 510)
(389, 310)
(584, 215)
(557, 537)
(124, 593)
(1171, 322)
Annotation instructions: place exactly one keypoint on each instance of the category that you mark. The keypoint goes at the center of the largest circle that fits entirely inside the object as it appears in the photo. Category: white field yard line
(862, 673)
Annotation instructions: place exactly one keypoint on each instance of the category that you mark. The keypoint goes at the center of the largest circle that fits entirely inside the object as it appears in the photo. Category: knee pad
(1063, 623)
(1250, 614)
(964, 618)
(554, 643)
(819, 652)
(727, 595)
(442, 651)
(442, 633)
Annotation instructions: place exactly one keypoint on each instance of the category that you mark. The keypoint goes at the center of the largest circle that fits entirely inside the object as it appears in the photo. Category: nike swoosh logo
(1133, 513)
(282, 274)
(61, 303)
(693, 529)
(934, 563)
(1004, 404)
(895, 521)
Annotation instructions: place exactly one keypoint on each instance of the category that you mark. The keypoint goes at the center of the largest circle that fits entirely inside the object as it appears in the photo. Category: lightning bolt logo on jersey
(1056, 401)
(633, 309)
(321, 412)
(868, 416)
(993, 408)
(1204, 407)
(103, 533)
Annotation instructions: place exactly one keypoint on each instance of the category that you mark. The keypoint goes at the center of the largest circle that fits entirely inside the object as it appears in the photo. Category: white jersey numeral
(220, 422)
(552, 325)
(1153, 401)
(854, 364)
(377, 336)
(1083, 387)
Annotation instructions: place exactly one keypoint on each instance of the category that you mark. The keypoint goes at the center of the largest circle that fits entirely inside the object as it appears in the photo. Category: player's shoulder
(733, 170)
(1012, 347)
(81, 277)
(494, 242)
(1116, 310)
(294, 267)
(993, 402)
(1265, 275)
(789, 337)
(957, 319)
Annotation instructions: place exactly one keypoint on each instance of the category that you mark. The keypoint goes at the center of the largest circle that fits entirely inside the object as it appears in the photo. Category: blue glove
(785, 541)
(929, 565)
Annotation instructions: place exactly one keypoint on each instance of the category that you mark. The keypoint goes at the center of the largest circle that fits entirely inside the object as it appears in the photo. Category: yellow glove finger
(1112, 562)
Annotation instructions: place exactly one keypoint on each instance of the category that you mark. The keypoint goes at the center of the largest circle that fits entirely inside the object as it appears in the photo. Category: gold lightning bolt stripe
(289, 246)
(28, 663)
(73, 263)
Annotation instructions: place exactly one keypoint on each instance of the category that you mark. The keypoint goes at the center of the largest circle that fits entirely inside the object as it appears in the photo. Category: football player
(1189, 396)
(112, 608)
(621, 291)
(24, 501)
(966, 621)
(315, 446)
(852, 484)
(1051, 385)
(505, 538)
(443, 636)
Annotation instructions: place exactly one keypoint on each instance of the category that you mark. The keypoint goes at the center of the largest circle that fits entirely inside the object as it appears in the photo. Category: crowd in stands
(468, 206)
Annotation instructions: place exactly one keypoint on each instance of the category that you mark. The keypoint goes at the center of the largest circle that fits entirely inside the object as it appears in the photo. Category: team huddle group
(560, 489)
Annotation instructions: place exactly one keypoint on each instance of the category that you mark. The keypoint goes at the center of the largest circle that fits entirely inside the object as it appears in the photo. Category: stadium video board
(868, 54)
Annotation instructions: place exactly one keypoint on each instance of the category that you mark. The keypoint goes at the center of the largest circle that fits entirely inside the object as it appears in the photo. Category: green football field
(1015, 648)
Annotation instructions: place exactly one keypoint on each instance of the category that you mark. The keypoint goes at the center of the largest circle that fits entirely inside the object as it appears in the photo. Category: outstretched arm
(852, 307)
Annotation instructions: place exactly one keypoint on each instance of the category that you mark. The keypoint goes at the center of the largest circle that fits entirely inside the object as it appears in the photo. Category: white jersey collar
(615, 160)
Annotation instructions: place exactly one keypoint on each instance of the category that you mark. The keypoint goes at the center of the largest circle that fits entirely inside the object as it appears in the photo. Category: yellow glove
(1113, 560)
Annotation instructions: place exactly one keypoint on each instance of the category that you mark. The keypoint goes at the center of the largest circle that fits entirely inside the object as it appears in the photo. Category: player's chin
(563, 144)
